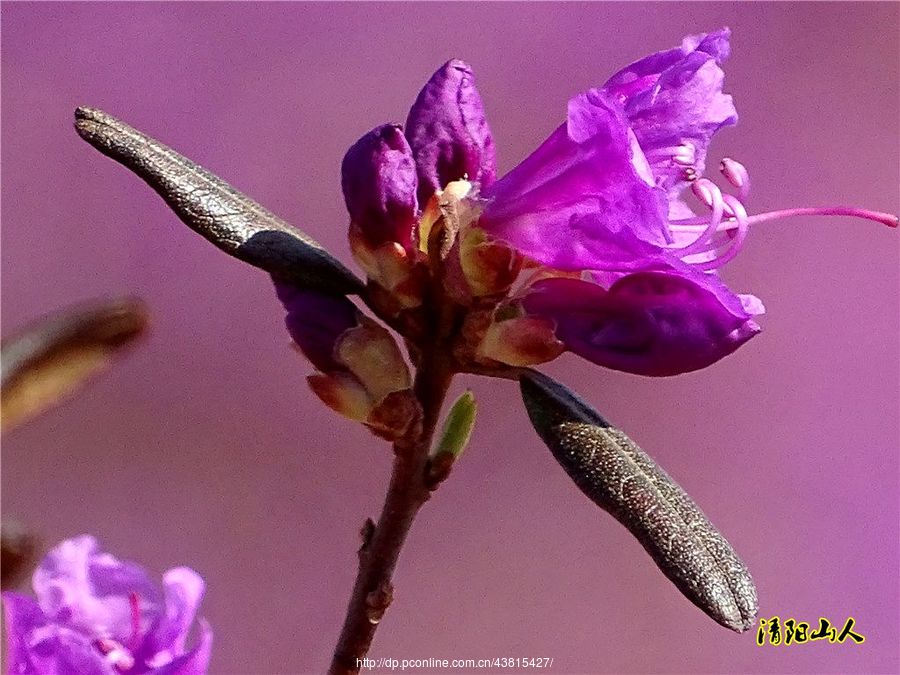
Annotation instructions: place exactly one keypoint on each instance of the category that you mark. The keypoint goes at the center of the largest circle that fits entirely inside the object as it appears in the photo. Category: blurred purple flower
(97, 615)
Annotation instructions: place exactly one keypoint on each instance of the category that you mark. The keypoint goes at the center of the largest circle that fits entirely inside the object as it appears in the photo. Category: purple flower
(649, 323)
(601, 197)
(600, 205)
(97, 615)
(674, 103)
(448, 140)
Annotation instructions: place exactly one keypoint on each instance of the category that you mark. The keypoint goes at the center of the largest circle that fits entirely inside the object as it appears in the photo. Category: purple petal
(63, 651)
(378, 177)
(81, 587)
(194, 662)
(37, 647)
(569, 202)
(449, 133)
(674, 99)
(653, 323)
(315, 321)
(641, 75)
(183, 589)
(23, 617)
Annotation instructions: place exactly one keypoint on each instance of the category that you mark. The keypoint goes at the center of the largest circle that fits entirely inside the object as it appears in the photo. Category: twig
(408, 490)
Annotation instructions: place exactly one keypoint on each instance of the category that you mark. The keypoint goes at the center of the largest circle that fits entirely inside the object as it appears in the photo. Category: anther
(736, 174)
(703, 191)
(115, 654)
(685, 154)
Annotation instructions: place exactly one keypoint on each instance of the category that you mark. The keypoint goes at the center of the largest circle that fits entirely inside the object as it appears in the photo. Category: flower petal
(23, 616)
(183, 589)
(315, 321)
(657, 323)
(378, 177)
(194, 662)
(581, 200)
(79, 586)
(448, 131)
(35, 646)
(674, 99)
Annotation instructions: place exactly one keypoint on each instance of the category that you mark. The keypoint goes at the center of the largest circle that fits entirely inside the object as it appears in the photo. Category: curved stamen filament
(743, 225)
(711, 195)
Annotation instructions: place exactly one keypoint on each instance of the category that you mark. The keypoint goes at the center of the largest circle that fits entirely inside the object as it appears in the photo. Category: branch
(407, 491)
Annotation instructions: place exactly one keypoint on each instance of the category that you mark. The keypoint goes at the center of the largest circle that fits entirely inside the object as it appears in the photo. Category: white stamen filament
(721, 234)
(710, 195)
(740, 215)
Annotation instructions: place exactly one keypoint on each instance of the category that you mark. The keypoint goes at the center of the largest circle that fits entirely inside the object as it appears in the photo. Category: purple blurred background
(204, 447)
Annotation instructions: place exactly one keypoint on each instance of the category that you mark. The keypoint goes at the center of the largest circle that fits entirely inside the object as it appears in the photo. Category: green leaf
(454, 438)
(458, 426)
(211, 207)
(623, 480)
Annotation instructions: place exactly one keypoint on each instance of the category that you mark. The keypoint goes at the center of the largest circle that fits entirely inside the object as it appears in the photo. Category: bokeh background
(204, 447)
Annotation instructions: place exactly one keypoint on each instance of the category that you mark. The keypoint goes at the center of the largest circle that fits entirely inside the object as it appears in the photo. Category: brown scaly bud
(391, 267)
(490, 267)
(520, 341)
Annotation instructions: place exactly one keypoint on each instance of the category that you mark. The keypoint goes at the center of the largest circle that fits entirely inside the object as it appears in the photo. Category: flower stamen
(707, 192)
(678, 159)
(736, 218)
(736, 174)
(743, 226)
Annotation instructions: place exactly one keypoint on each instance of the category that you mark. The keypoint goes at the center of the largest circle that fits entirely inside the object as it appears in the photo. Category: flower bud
(363, 374)
(316, 321)
(448, 131)
(378, 177)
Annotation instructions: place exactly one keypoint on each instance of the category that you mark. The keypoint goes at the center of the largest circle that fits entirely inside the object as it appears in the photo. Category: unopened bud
(378, 177)
(315, 321)
(448, 131)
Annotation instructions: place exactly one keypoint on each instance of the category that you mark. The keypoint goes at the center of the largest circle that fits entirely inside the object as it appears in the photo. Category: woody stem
(407, 492)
